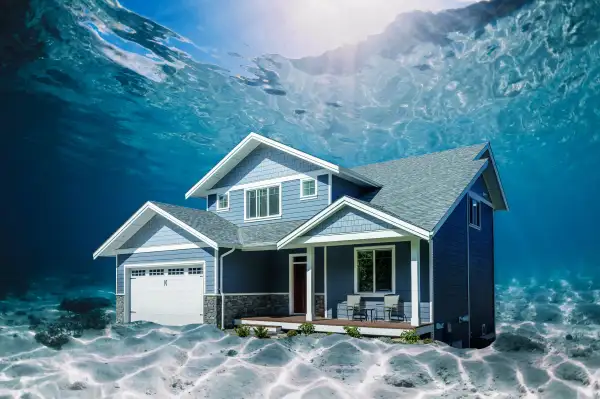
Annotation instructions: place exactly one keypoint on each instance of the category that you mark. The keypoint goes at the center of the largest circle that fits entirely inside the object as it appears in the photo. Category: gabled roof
(421, 190)
(247, 145)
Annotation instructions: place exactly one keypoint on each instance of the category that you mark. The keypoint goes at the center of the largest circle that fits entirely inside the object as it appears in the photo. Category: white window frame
(219, 202)
(312, 196)
(471, 200)
(375, 293)
(257, 218)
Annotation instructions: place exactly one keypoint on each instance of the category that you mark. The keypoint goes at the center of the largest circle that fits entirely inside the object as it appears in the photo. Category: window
(475, 213)
(175, 272)
(263, 202)
(222, 202)
(374, 270)
(308, 188)
(194, 270)
(156, 272)
(138, 273)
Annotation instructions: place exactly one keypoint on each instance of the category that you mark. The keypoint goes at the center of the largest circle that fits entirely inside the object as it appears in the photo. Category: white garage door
(172, 296)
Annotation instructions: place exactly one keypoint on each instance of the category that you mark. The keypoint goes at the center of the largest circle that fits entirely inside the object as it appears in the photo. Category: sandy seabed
(548, 346)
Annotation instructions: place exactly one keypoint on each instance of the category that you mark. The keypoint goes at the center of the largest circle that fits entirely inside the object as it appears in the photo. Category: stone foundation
(238, 306)
(212, 309)
(120, 309)
(320, 305)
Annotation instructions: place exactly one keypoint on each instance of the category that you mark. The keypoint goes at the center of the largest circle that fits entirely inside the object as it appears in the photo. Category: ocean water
(103, 108)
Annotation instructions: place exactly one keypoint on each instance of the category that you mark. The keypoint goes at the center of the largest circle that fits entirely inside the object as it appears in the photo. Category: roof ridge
(427, 154)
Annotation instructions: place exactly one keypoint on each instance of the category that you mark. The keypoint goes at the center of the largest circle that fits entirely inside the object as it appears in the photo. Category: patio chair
(353, 304)
(393, 307)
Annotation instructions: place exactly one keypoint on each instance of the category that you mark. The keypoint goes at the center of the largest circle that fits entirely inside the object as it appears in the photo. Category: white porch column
(415, 281)
(310, 283)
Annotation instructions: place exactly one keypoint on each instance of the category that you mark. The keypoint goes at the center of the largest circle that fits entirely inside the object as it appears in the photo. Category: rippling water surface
(103, 109)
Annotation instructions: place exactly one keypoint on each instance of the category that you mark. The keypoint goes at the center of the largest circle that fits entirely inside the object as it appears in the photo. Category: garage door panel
(167, 299)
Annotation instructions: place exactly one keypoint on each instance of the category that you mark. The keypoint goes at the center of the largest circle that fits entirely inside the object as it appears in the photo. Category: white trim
(346, 201)
(371, 235)
(479, 198)
(160, 248)
(374, 248)
(325, 282)
(488, 146)
(218, 202)
(261, 183)
(310, 283)
(291, 264)
(415, 282)
(255, 293)
(215, 273)
(117, 276)
(431, 282)
(164, 264)
(270, 217)
(329, 190)
(311, 196)
(374, 331)
(458, 200)
(150, 206)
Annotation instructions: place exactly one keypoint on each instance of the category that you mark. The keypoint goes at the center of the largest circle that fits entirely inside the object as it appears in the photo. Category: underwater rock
(509, 342)
(587, 313)
(571, 372)
(84, 305)
(77, 386)
(54, 336)
(412, 380)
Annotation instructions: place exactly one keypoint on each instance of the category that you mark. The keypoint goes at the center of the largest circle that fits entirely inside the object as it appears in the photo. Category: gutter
(221, 286)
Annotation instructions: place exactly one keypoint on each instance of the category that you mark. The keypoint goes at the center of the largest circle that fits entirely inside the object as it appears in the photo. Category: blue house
(287, 237)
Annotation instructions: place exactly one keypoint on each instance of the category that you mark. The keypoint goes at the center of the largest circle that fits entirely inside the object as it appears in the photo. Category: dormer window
(474, 213)
(308, 188)
(223, 202)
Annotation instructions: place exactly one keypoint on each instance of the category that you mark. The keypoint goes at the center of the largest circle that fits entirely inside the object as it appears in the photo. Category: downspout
(221, 286)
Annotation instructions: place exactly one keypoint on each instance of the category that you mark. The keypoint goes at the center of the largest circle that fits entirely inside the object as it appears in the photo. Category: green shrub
(428, 341)
(292, 333)
(352, 331)
(307, 328)
(329, 333)
(261, 332)
(409, 337)
(242, 331)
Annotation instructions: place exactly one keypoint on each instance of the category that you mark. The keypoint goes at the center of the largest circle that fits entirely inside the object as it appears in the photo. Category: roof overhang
(137, 221)
(492, 179)
(249, 144)
(360, 206)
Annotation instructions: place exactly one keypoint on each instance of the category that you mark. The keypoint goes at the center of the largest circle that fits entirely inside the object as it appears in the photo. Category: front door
(299, 283)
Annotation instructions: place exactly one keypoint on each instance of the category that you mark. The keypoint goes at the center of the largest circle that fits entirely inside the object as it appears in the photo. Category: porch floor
(377, 328)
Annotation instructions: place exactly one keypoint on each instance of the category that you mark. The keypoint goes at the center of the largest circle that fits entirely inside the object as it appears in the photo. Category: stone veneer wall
(212, 309)
(238, 306)
(120, 309)
(320, 305)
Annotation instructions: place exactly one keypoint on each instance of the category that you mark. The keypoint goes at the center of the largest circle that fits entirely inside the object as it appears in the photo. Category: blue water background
(102, 109)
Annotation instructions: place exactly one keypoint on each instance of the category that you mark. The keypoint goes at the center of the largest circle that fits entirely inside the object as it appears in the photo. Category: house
(286, 237)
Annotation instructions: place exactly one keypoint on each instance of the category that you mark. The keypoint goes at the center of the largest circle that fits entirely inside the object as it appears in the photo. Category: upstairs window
(308, 188)
(263, 202)
(474, 213)
(222, 202)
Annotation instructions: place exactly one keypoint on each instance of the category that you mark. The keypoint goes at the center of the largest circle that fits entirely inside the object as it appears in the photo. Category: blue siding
(265, 271)
(340, 280)
(157, 232)
(479, 187)
(341, 187)
(349, 220)
(205, 254)
(293, 208)
(450, 279)
(265, 163)
(481, 269)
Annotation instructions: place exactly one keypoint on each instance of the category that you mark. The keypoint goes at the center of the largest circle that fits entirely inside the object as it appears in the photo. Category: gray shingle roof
(222, 231)
(420, 190)
(269, 233)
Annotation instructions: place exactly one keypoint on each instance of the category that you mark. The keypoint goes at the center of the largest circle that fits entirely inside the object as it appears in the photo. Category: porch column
(415, 281)
(310, 284)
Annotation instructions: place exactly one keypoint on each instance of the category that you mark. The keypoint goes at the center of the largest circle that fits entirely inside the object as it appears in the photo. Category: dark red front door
(300, 288)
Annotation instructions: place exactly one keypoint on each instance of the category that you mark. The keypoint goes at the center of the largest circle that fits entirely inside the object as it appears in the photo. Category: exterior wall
(481, 275)
(212, 309)
(158, 232)
(341, 187)
(238, 306)
(480, 188)
(205, 254)
(292, 206)
(450, 277)
(265, 163)
(349, 220)
(340, 280)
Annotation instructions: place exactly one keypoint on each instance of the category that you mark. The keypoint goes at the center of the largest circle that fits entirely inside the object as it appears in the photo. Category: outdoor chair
(393, 307)
(354, 307)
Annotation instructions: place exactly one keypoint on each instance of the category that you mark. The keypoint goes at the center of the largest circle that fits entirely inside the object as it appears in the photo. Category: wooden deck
(377, 328)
